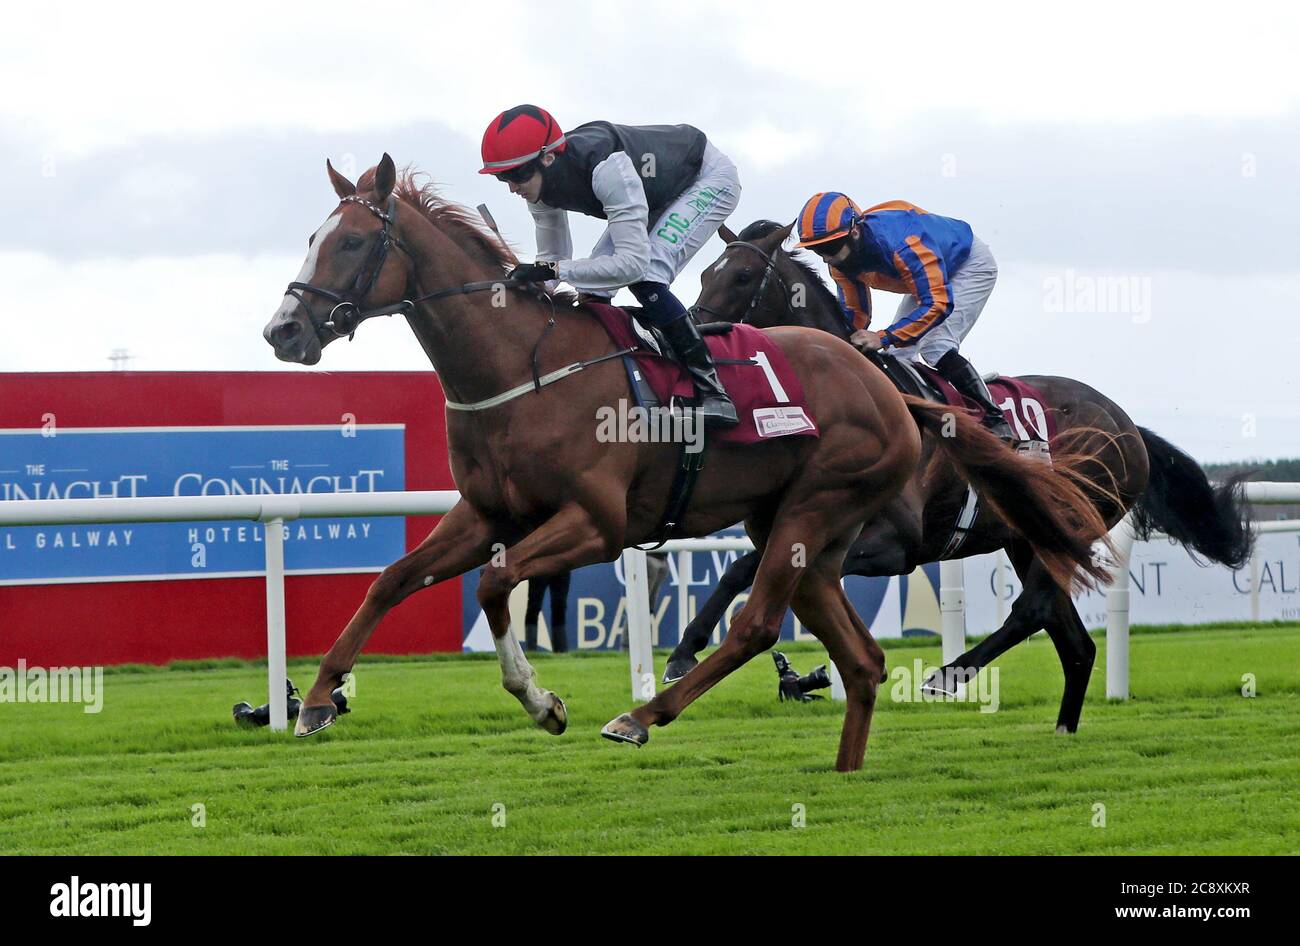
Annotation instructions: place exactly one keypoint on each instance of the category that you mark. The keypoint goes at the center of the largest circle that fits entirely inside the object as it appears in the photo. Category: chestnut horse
(541, 495)
(1121, 466)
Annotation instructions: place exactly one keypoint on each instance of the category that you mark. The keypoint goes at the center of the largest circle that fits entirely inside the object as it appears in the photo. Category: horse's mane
(762, 228)
(418, 190)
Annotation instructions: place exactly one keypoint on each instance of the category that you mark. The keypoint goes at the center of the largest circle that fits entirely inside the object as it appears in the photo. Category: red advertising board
(72, 622)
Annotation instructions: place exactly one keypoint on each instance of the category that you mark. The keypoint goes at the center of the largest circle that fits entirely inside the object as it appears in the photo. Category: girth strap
(689, 466)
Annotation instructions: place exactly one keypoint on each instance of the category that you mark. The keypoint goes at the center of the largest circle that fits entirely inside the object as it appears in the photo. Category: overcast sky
(163, 168)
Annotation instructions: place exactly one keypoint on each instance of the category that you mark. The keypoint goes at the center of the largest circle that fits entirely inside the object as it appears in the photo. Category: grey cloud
(1127, 198)
(244, 193)
(1169, 195)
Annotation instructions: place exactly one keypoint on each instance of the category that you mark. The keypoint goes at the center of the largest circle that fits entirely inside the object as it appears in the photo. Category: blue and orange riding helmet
(517, 136)
(826, 216)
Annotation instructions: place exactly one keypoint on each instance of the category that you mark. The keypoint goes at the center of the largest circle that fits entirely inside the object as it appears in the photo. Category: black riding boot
(962, 375)
(715, 407)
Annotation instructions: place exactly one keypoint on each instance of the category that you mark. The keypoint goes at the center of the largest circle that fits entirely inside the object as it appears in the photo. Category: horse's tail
(1181, 502)
(1043, 503)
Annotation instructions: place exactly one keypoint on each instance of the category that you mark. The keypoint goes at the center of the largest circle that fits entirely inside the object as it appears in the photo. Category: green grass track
(435, 747)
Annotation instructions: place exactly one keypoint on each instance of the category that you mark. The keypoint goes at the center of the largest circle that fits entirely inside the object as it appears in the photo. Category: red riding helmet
(519, 135)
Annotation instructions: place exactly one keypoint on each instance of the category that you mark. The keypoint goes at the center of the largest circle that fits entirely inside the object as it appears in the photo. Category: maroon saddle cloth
(768, 395)
(1023, 405)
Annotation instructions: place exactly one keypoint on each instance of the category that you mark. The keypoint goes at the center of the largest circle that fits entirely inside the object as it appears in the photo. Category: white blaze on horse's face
(722, 264)
(290, 331)
(317, 241)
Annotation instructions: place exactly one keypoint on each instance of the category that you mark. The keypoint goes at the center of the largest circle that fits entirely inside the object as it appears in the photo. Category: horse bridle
(769, 271)
(347, 315)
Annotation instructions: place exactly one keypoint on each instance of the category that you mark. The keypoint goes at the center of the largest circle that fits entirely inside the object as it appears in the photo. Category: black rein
(347, 315)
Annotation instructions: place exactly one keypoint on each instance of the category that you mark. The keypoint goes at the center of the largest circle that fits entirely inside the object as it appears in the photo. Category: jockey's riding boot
(962, 375)
(662, 309)
(715, 406)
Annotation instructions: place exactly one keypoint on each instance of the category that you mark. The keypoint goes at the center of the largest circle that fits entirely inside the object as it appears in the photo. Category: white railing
(640, 646)
(1117, 596)
(274, 510)
(951, 595)
(952, 607)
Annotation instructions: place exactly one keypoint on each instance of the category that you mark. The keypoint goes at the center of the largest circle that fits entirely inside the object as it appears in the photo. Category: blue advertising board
(198, 461)
(597, 609)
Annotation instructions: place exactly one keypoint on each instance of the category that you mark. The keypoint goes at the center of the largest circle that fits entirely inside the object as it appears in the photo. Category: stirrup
(718, 411)
(1001, 429)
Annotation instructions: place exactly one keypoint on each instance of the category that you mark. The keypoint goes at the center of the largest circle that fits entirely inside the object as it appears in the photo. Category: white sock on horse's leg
(518, 676)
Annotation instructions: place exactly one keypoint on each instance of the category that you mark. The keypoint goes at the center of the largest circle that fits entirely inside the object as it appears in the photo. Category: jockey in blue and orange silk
(662, 190)
(944, 272)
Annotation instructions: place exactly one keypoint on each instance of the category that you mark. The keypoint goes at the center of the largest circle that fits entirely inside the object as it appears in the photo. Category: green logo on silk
(676, 226)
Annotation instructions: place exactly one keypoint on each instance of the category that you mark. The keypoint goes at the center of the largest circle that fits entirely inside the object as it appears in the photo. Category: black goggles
(518, 175)
(830, 247)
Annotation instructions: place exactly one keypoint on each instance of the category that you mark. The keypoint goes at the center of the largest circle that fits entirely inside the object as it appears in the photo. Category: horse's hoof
(935, 685)
(1063, 730)
(312, 719)
(677, 669)
(625, 728)
(555, 719)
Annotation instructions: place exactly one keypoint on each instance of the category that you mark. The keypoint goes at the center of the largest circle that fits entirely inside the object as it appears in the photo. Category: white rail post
(639, 653)
(273, 541)
(1117, 615)
(1254, 583)
(683, 591)
(999, 581)
(952, 609)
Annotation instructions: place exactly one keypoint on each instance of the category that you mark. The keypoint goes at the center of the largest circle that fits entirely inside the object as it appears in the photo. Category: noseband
(768, 272)
(347, 315)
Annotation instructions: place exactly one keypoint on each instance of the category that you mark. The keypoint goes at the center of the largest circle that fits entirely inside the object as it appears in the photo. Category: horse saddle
(1022, 404)
(657, 342)
(905, 376)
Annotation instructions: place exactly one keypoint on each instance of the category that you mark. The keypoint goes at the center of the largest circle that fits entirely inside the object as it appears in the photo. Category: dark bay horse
(541, 494)
(1121, 466)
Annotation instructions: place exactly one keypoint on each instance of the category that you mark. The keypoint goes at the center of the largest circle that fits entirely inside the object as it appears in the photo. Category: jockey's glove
(541, 271)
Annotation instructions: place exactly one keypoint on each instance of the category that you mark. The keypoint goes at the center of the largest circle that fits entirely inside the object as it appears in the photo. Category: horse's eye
(352, 243)
(743, 276)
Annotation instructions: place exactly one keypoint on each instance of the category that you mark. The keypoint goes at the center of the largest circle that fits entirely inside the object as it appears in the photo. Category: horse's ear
(724, 231)
(342, 186)
(776, 239)
(385, 178)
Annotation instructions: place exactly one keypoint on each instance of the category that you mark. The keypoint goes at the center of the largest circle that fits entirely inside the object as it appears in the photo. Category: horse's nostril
(286, 332)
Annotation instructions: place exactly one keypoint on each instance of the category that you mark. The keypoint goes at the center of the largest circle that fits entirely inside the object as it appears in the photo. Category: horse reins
(347, 314)
(768, 272)
(347, 303)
